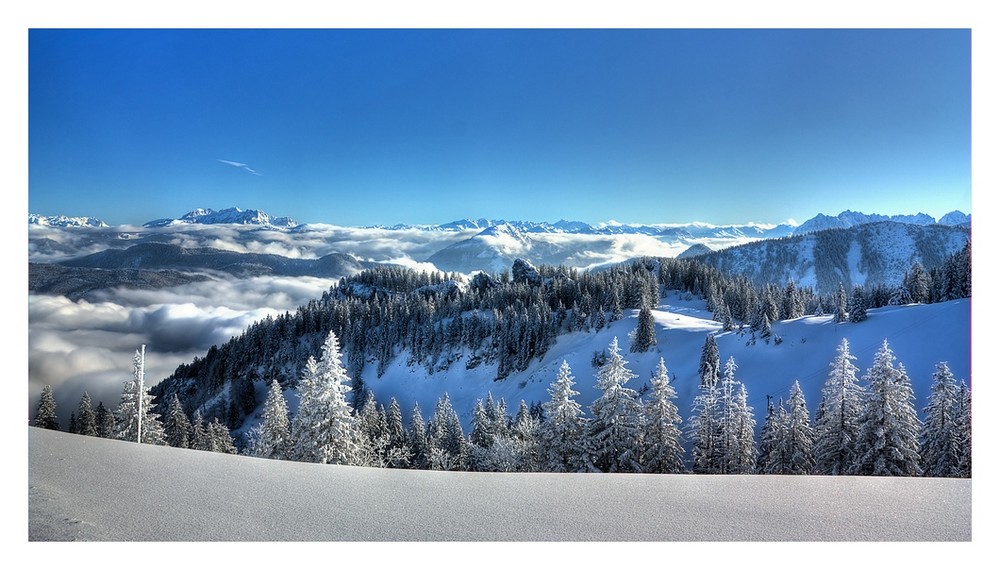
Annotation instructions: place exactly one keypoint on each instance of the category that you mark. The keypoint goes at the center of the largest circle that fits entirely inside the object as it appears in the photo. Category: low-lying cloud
(88, 345)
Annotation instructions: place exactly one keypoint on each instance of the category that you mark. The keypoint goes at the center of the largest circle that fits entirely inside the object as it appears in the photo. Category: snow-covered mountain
(65, 221)
(849, 219)
(868, 254)
(225, 216)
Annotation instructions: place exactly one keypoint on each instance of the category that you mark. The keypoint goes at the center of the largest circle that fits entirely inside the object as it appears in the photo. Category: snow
(91, 489)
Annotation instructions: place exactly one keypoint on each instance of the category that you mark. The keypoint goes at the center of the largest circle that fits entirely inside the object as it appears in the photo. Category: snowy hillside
(91, 489)
(919, 335)
(869, 254)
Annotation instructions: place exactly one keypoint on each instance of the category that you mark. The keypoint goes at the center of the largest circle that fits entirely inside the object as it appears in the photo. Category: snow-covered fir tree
(45, 414)
(800, 437)
(736, 453)
(564, 426)
(199, 432)
(859, 305)
(940, 434)
(324, 429)
(176, 425)
(644, 335)
(887, 441)
(664, 450)
(963, 418)
(772, 434)
(72, 423)
(134, 418)
(105, 421)
(840, 314)
(704, 427)
(420, 451)
(839, 415)
(709, 366)
(274, 439)
(445, 438)
(525, 432)
(219, 439)
(86, 419)
(374, 430)
(616, 428)
(398, 452)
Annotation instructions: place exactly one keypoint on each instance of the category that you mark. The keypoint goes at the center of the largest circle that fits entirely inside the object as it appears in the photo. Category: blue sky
(358, 127)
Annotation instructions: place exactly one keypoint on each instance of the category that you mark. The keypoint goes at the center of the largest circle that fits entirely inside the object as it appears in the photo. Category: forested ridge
(504, 321)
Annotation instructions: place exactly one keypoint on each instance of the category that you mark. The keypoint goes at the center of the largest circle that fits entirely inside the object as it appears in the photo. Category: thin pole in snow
(139, 402)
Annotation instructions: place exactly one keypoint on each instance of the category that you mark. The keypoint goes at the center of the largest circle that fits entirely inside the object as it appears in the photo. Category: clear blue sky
(358, 127)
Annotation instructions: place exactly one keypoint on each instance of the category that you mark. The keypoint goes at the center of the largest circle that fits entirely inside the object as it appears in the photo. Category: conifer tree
(736, 452)
(940, 434)
(800, 437)
(963, 418)
(564, 426)
(86, 418)
(219, 438)
(374, 430)
(324, 429)
(176, 426)
(859, 305)
(72, 423)
(887, 444)
(419, 445)
(704, 428)
(840, 305)
(274, 440)
(45, 414)
(199, 433)
(708, 369)
(772, 433)
(398, 452)
(664, 452)
(134, 418)
(105, 421)
(615, 431)
(837, 421)
(445, 438)
(525, 434)
(644, 336)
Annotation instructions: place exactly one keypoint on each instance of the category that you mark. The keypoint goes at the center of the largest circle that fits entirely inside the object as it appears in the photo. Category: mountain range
(851, 248)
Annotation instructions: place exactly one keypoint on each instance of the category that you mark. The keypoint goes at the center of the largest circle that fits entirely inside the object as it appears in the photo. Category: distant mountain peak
(226, 216)
(65, 221)
(850, 218)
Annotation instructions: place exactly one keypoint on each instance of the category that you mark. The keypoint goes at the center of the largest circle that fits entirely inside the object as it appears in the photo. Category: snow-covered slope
(90, 489)
(919, 335)
(868, 254)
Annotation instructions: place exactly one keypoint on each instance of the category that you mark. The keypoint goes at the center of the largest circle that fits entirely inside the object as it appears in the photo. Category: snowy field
(90, 489)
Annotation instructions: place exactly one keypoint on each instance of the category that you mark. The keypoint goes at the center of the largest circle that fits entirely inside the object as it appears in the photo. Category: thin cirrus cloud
(239, 165)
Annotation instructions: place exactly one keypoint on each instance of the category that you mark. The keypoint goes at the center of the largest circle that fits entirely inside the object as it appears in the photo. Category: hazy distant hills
(158, 256)
(77, 283)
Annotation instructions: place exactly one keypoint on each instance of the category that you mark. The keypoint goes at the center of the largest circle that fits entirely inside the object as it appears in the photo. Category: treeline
(857, 430)
(504, 320)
